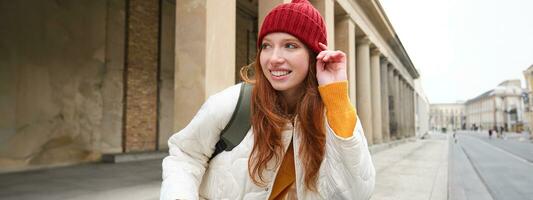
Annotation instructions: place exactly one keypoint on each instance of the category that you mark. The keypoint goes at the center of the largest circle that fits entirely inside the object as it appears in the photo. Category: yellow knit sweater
(341, 116)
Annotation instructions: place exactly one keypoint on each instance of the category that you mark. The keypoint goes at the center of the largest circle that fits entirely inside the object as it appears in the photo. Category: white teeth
(279, 73)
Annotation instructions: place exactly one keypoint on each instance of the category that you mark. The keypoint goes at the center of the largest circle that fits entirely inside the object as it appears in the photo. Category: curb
(380, 147)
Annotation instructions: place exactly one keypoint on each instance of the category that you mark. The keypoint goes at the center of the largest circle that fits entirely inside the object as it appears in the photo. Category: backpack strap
(238, 125)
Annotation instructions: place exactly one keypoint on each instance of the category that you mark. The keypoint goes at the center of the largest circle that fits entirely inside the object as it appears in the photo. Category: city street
(422, 164)
(483, 168)
(92, 93)
(437, 167)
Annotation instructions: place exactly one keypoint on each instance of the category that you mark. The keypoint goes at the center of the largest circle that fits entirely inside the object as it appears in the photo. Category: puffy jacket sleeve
(350, 159)
(191, 148)
(347, 154)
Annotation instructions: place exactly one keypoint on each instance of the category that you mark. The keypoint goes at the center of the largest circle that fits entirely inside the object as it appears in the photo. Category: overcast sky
(463, 48)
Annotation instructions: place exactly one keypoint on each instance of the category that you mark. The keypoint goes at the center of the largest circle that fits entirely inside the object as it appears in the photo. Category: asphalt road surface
(484, 168)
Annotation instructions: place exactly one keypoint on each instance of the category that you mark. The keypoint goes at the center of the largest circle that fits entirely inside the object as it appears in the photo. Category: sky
(463, 48)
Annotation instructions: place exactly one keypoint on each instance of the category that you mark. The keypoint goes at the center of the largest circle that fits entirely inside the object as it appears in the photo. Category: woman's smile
(280, 74)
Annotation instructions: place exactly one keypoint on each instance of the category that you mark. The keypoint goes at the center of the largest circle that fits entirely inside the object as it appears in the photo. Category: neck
(292, 98)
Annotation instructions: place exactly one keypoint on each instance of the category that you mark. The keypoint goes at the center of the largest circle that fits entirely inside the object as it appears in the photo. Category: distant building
(528, 99)
(447, 116)
(501, 107)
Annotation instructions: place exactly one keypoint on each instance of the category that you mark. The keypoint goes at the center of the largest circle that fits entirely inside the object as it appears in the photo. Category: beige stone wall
(205, 54)
(166, 75)
(61, 93)
(111, 136)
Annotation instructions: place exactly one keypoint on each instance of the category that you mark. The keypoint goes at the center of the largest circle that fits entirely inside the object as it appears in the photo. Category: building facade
(447, 116)
(501, 107)
(528, 100)
(422, 111)
(81, 79)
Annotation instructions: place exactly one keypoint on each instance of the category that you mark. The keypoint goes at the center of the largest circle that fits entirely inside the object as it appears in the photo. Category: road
(483, 168)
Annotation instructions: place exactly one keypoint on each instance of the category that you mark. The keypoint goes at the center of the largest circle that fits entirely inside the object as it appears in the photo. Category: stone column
(392, 102)
(401, 107)
(142, 50)
(404, 109)
(408, 113)
(375, 72)
(264, 7)
(364, 98)
(385, 99)
(413, 111)
(166, 73)
(203, 29)
(396, 104)
(407, 109)
(327, 10)
(113, 89)
(345, 41)
(412, 116)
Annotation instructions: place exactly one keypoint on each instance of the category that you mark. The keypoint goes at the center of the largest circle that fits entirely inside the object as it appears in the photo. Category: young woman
(306, 141)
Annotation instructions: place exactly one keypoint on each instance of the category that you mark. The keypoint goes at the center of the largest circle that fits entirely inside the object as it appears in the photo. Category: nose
(277, 57)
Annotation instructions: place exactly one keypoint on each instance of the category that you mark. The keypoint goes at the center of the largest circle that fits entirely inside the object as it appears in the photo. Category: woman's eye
(263, 46)
(290, 46)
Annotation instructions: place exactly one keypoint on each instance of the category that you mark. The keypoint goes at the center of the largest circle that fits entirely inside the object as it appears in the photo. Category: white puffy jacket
(347, 171)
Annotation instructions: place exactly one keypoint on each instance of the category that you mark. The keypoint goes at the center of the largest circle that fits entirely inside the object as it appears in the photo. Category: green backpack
(239, 124)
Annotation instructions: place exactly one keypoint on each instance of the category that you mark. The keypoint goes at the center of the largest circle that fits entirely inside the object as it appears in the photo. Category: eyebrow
(284, 40)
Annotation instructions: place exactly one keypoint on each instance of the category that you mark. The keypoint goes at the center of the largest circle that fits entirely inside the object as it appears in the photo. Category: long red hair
(270, 114)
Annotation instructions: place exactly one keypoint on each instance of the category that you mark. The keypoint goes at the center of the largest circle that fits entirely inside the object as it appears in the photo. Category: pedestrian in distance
(305, 140)
(502, 130)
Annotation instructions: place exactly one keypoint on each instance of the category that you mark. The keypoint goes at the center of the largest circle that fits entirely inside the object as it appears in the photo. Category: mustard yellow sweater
(341, 116)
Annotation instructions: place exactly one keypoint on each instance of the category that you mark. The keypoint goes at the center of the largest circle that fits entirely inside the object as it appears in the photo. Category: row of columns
(383, 98)
(404, 111)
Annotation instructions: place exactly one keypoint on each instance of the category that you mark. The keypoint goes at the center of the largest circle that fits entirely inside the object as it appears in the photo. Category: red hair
(270, 115)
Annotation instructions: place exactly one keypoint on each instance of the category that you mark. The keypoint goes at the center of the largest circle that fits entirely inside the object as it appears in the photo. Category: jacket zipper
(269, 188)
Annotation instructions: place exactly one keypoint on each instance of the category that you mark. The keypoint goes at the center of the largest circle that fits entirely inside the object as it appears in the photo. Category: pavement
(416, 169)
(132, 180)
(413, 171)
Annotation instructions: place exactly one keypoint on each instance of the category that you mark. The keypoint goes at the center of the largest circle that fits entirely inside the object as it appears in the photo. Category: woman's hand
(330, 66)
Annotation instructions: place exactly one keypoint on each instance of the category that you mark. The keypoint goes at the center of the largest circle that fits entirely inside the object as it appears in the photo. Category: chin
(279, 87)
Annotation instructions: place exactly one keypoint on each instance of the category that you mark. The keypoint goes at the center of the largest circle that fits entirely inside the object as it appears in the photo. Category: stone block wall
(61, 87)
(166, 73)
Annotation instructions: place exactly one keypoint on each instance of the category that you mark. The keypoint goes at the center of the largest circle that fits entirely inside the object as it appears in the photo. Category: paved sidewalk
(132, 180)
(414, 170)
(411, 170)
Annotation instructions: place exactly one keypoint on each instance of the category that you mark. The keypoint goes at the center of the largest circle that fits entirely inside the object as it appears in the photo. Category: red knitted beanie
(298, 18)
